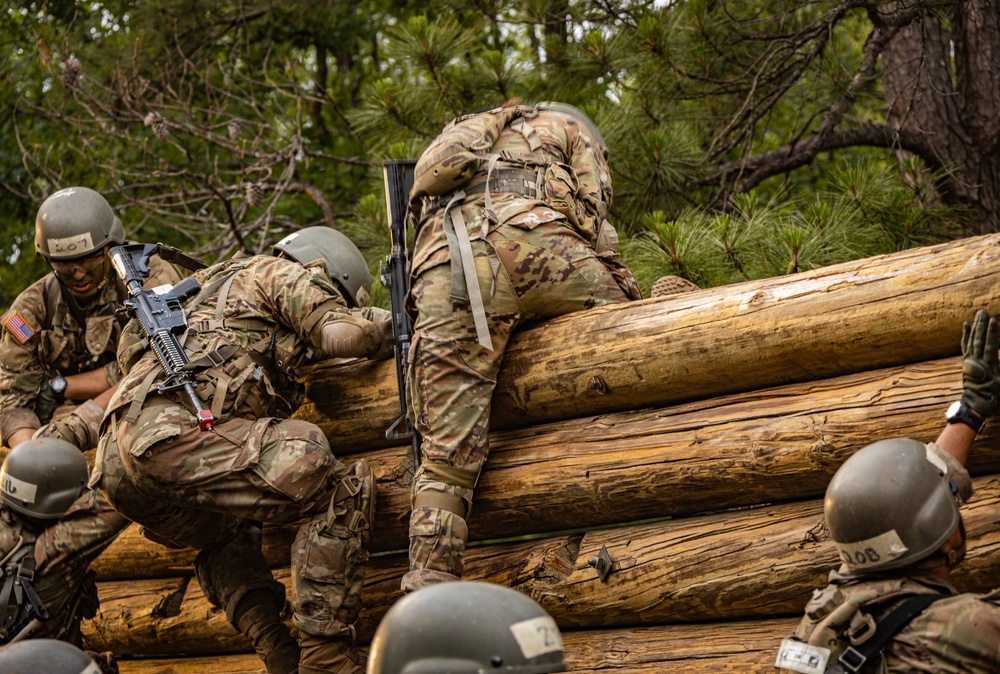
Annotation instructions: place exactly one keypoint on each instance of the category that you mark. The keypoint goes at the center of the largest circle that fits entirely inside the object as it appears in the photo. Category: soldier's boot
(671, 285)
(270, 637)
(330, 655)
(438, 533)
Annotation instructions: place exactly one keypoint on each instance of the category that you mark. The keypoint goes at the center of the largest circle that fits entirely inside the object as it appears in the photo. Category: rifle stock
(162, 318)
(395, 275)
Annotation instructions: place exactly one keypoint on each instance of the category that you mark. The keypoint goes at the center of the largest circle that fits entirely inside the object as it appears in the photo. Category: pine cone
(155, 121)
(71, 72)
(255, 194)
(235, 128)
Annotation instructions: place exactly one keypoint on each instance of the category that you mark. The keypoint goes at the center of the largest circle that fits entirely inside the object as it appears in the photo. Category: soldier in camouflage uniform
(51, 529)
(893, 512)
(254, 323)
(60, 335)
(520, 236)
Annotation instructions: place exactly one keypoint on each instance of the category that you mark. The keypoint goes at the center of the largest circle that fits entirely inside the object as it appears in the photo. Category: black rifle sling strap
(855, 657)
(74, 308)
(18, 575)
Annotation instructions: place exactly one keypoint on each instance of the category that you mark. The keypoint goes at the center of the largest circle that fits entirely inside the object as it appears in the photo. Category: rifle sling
(855, 657)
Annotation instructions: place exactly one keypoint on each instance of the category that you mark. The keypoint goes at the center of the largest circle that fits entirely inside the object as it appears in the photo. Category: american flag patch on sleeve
(18, 327)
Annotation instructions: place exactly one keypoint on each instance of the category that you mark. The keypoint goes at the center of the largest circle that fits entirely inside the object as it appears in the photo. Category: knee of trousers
(329, 556)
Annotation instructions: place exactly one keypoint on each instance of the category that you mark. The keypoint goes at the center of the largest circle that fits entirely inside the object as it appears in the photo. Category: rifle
(395, 275)
(162, 318)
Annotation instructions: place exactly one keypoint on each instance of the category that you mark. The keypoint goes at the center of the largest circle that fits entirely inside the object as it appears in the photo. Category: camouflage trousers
(540, 273)
(189, 488)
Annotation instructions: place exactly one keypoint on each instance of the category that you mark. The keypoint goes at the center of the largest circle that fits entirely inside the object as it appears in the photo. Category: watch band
(960, 413)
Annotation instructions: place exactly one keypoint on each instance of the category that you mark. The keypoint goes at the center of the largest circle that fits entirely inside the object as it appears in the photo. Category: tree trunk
(749, 564)
(748, 647)
(781, 444)
(882, 311)
(944, 88)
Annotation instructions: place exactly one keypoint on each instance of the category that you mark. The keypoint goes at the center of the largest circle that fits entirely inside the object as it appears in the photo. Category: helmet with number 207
(466, 627)
(889, 506)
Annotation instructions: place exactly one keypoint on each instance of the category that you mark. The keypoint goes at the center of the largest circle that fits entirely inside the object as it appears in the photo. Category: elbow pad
(343, 339)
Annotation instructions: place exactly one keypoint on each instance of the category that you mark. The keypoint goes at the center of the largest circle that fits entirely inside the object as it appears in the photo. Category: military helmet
(577, 113)
(344, 262)
(890, 505)
(42, 477)
(466, 627)
(45, 655)
(75, 222)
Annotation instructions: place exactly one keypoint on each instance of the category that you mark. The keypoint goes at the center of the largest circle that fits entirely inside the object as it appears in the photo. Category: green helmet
(75, 222)
(42, 477)
(578, 114)
(45, 655)
(890, 505)
(466, 627)
(344, 262)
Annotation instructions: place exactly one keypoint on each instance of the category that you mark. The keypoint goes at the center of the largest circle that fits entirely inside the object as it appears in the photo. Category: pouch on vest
(454, 155)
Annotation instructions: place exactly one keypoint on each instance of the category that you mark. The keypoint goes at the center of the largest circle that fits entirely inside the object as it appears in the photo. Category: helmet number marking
(19, 489)
(71, 246)
(537, 636)
(882, 548)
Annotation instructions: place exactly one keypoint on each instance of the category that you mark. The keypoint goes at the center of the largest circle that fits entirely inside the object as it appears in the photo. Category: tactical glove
(383, 321)
(981, 367)
(81, 428)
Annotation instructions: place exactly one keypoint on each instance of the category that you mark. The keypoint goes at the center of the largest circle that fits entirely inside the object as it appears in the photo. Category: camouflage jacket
(959, 634)
(62, 554)
(41, 338)
(574, 184)
(256, 320)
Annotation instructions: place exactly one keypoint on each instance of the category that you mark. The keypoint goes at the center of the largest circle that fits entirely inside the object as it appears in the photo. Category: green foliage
(219, 125)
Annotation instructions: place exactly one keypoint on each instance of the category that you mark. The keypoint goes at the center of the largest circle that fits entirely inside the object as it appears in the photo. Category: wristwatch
(960, 413)
(58, 386)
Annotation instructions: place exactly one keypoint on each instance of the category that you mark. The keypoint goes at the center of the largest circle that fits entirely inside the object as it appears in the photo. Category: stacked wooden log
(690, 436)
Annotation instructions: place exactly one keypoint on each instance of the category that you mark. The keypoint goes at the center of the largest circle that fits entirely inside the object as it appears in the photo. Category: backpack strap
(855, 657)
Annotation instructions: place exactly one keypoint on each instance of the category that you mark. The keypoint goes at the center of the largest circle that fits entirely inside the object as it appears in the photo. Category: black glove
(981, 367)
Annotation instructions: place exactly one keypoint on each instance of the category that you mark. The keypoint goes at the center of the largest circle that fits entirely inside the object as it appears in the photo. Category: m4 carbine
(395, 275)
(161, 316)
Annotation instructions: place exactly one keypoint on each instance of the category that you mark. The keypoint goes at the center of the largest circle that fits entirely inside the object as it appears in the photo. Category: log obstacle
(691, 436)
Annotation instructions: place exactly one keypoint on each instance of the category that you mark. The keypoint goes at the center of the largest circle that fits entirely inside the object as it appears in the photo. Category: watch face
(953, 409)
(58, 384)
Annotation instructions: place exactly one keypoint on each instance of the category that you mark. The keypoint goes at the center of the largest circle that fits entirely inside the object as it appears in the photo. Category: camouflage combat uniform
(256, 320)
(535, 236)
(42, 338)
(957, 634)
(63, 552)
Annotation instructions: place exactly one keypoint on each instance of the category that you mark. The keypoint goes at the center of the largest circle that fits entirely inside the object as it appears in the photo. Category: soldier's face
(83, 276)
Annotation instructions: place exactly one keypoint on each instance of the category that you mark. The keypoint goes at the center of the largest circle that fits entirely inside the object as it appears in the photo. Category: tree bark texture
(748, 564)
(942, 87)
(680, 649)
(774, 445)
(882, 311)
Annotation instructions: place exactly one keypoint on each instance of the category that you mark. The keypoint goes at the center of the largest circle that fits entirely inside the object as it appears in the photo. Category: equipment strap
(855, 657)
(519, 181)
(74, 308)
(171, 254)
(467, 257)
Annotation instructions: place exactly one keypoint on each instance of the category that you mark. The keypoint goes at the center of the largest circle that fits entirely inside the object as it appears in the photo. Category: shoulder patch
(18, 327)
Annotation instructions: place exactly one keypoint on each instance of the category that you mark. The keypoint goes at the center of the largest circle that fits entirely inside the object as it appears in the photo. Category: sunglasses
(83, 264)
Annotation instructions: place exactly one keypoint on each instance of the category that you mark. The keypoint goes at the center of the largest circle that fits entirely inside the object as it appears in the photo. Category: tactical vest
(460, 165)
(233, 359)
(845, 629)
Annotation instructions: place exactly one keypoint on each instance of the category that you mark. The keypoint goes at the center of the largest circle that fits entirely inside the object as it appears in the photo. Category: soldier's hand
(383, 321)
(981, 364)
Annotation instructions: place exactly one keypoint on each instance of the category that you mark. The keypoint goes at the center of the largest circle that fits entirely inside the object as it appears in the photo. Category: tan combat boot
(671, 285)
(270, 638)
